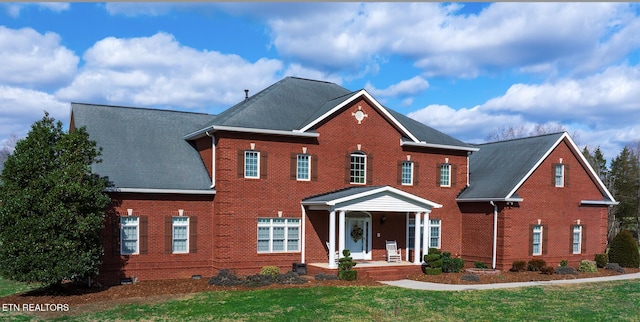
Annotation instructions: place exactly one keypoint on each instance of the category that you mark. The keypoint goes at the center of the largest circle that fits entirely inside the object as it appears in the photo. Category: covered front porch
(361, 219)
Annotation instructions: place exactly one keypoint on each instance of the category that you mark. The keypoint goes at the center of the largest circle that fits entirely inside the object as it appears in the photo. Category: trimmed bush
(350, 275)
(433, 262)
(272, 271)
(433, 270)
(547, 270)
(452, 265)
(565, 270)
(587, 266)
(614, 267)
(536, 265)
(345, 265)
(601, 260)
(225, 278)
(258, 280)
(518, 266)
(564, 263)
(480, 265)
(624, 250)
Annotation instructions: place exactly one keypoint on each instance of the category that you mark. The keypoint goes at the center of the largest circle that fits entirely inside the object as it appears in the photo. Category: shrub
(290, 277)
(601, 260)
(614, 267)
(565, 270)
(624, 250)
(325, 277)
(480, 265)
(345, 265)
(518, 266)
(547, 270)
(587, 266)
(536, 264)
(452, 265)
(433, 270)
(433, 262)
(225, 278)
(564, 263)
(272, 271)
(258, 280)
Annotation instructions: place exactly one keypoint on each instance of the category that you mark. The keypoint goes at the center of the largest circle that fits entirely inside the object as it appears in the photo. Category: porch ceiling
(377, 198)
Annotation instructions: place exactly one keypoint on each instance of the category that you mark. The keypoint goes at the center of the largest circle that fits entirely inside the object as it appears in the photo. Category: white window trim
(561, 166)
(577, 229)
(412, 225)
(173, 237)
(537, 229)
(364, 170)
(288, 222)
(257, 164)
(308, 157)
(448, 166)
(410, 183)
(124, 224)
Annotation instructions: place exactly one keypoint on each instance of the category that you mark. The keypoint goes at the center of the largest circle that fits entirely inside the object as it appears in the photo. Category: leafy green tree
(625, 173)
(624, 250)
(51, 206)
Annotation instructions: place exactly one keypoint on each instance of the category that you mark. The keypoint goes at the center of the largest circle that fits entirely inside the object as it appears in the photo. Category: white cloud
(14, 8)
(31, 58)
(20, 107)
(407, 87)
(159, 71)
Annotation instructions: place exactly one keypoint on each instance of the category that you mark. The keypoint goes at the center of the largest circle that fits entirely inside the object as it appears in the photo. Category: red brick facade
(225, 230)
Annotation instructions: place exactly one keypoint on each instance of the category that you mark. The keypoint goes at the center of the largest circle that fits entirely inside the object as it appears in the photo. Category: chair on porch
(393, 252)
(337, 253)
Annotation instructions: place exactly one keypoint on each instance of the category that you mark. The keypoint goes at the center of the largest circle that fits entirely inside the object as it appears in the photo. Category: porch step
(389, 274)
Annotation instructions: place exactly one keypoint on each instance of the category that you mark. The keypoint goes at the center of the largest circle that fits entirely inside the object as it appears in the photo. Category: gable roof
(143, 149)
(293, 106)
(499, 169)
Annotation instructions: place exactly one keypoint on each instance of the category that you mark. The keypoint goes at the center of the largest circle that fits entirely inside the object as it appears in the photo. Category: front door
(358, 236)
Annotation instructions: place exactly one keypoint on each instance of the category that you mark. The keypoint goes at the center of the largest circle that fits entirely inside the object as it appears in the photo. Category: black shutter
(416, 173)
(438, 173)
(168, 234)
(193, 234)
(144, 234)
(584, 239)
(294, 166)
(370, 168)
(571, 239)
(115, 224)
(399, 172)
(454, 174)
(347, 168)
(531, 239)
(545, 239)
(314, 167)
(263, 165)
(240, 163)
(566, 175)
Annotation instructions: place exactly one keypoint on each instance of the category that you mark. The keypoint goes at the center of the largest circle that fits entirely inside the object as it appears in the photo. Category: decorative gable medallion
(359, 115)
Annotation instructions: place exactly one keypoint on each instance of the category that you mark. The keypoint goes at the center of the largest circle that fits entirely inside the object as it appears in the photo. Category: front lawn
(617, 301)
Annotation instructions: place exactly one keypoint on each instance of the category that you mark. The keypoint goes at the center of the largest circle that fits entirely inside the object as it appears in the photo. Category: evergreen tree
(51, 206)
(625, 173)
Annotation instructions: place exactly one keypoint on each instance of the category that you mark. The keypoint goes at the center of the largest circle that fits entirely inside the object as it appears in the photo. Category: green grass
(8, 287)
(611, 301)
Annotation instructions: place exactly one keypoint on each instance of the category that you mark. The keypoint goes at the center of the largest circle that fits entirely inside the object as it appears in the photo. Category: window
(537, 240)
(251, 164)
(434, 230)
(180, 234)
(577, 239)
(358, 168)
(559, 175)
(407, 173)
(434, 237)
(445, 175)
(303, 168)
(278, 235)
(129, 235)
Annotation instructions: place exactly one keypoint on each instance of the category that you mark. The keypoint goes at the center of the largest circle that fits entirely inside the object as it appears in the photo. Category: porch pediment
(377, 198)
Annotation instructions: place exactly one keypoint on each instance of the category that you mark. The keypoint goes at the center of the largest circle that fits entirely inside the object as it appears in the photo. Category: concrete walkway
(416, 285)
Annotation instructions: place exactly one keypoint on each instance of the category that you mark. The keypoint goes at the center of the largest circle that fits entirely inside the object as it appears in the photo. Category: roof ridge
(141, 108)
(522, 138)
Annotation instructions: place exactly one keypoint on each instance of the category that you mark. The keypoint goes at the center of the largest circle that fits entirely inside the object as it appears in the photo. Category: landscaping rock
(564, 270)
(470, 278)
(614, 267)
(225, 278)
(290, 278)
(258, 280)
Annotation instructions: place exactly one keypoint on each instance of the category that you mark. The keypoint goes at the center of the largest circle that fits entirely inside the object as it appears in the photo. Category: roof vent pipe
(246, 94)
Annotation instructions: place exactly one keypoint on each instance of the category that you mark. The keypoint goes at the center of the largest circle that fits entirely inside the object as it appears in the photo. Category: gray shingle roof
(341, 193)
(143, 148)
(499, 167)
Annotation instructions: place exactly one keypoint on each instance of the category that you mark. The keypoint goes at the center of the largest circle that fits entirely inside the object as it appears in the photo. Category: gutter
(598, 203)
(215, 128)
(438, 146)
(162, 191)
(495, 234)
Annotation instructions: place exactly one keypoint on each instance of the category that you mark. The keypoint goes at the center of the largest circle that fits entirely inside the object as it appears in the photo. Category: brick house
(305, 168)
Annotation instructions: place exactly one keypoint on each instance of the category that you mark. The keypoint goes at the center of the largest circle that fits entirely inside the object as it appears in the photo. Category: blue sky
(466, 69)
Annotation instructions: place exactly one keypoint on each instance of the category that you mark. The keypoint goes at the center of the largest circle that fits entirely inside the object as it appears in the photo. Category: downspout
(495, 234)
(303, 247)
(213, 160)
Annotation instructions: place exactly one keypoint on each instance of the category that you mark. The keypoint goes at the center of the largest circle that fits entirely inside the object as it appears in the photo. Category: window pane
(180, 232)
(278, 232)
(129, 246)
(278, 245)
(559, 175)
(358, 168)
(292, 245)
(263, 245)
(130, 233)
(407, 173)
(445, 175)
(263, 233)
(251, 164)
(179, 245)
(303, 167)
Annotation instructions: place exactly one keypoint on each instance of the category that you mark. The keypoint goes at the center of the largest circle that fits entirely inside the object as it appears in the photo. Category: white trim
(215, 128)
(573, 239)
(410, 183)
(539, 253)
(213, 160)
(379, 190)
(449, 175)
(555, 175)
(437, 146)
(303, 239)
(137, 225)
(170, 191)
(364, 156)
(375, 104)
(308, 156)
(257, 153)
(588, 165)
(490, 199)
(598, 203)
(173, 236)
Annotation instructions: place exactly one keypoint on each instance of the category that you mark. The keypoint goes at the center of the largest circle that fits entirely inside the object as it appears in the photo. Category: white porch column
(406, 249)
(416, 249)
(332, 239)
(426, 238)
(341, 233)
